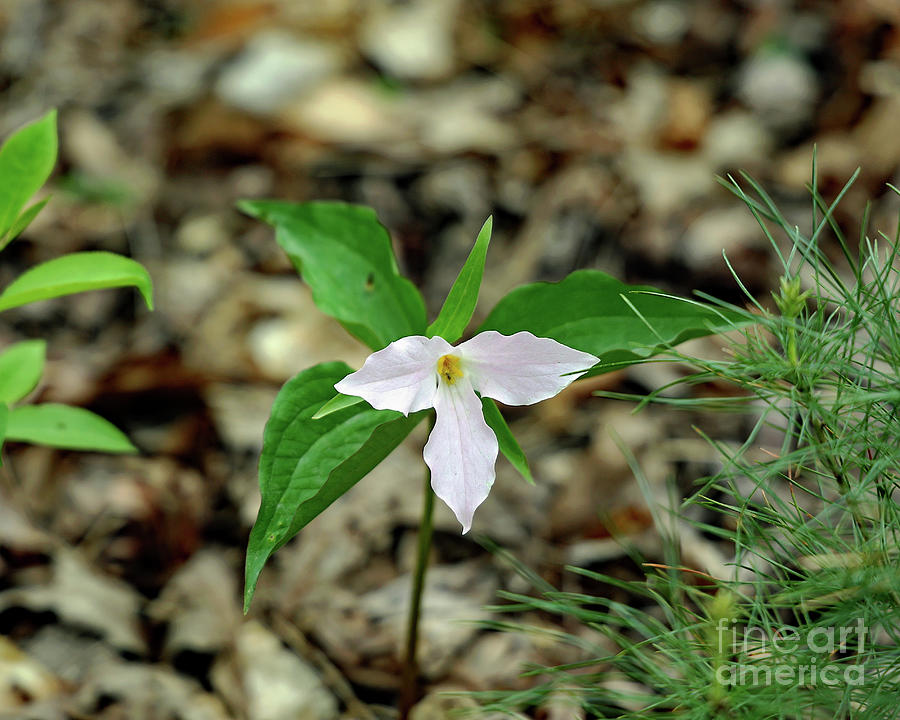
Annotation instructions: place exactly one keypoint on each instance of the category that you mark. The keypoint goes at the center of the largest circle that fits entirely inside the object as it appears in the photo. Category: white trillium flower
(414, 373)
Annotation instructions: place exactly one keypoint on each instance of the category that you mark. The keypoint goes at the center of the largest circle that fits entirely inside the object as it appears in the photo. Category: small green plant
(26, 161)
(330, 426)
(807, 625)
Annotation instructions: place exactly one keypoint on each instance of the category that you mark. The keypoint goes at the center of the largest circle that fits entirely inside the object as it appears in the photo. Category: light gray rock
(736, 139)
(350, 111)
(464, 116)
(274, 69)
(200, 234)
(664, 22)
(298, 335)
(781, 88)
(177, 76)
(461, 187)
(667, 182)
(412, 40)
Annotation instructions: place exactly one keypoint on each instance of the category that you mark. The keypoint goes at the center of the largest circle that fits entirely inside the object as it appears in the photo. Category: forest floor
(592, 131)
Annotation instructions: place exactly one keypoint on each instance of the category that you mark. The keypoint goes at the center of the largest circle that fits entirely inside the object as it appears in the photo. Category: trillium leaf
(21, 367)
(307, 464)
(509, 446)
(74, 273)
(594, 312)
(67, 427)
(344, 254)
(451, 322)
(26, 161)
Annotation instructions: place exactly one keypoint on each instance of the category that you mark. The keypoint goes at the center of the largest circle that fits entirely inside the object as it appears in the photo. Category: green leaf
(338, 402)
(307, 464)
(63, 426)
(592, 311)
(23, 221)
(21, 367)
(75, 273)
(344, 254)
(26, 161)
(509, 446)
(463, 296)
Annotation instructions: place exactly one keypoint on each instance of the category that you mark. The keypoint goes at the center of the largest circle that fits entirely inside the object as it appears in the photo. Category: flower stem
(410, 674)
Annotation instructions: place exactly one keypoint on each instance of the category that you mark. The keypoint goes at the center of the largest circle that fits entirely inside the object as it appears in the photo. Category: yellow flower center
(448, 367)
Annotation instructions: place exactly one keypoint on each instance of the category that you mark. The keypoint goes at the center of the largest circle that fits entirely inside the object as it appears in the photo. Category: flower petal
(402, 376)
(461, 451)
(520, 369)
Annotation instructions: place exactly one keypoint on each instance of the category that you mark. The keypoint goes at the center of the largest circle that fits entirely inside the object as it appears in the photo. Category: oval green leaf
(451, 322)
(344, 254)
(74, 273)
(594, 312)
(63, 426)
(307, 464)
(21, 367)
(26, 161)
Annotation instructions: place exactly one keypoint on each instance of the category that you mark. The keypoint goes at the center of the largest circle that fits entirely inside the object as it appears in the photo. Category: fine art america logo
(782, 656)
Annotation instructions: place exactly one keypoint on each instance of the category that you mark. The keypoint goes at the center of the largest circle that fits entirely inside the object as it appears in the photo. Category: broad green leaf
(588, 311)
(75, 273)
(26, 161)
(21, 367)
(338, 402)
(23, 221)
(63, 426)
(307, 464)
(344, 254)
(509, 446)
(463, 296)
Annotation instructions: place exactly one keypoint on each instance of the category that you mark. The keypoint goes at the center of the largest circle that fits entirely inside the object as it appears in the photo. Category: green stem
(410, 674)
(792, 347)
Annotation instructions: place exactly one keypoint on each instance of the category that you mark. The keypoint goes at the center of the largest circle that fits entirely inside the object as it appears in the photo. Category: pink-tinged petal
(521, 369)
(402, 376)
(461, 451)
